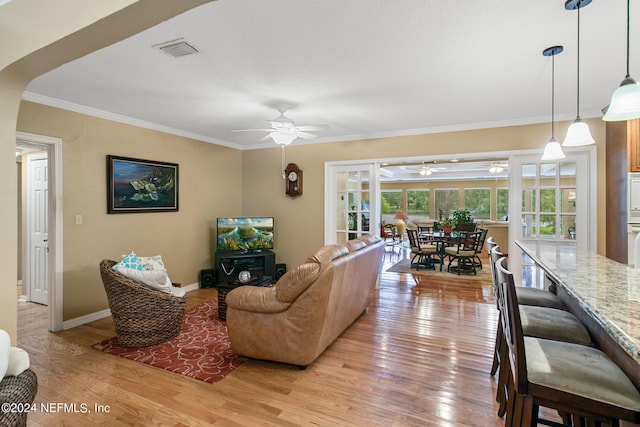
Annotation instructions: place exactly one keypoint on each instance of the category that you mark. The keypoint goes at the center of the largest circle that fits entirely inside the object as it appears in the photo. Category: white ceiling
(366, 68)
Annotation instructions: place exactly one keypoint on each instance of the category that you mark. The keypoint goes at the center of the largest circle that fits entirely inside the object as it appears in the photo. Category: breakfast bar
(603, 294)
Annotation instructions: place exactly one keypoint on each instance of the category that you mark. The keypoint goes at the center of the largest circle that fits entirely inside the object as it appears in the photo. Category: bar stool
(526, 296)
(540, 322)
(573, 379)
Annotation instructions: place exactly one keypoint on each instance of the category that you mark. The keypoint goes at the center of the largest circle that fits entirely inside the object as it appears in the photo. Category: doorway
(40, 237)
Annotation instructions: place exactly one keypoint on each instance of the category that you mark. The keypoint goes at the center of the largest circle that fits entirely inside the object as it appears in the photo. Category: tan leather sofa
(309, 307)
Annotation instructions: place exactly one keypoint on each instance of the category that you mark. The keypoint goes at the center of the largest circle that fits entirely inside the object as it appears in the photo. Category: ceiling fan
(428, 170)
(283, 130)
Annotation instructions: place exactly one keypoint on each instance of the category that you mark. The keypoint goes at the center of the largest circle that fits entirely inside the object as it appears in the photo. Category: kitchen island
(603, 294)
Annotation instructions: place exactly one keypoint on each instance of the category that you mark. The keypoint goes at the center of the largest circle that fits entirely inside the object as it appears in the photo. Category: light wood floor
(420, 357)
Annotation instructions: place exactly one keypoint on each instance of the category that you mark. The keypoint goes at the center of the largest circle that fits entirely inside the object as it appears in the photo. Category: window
(391, 201)
(418, 203)
(446, 200)
(502, 203)
(478, 202)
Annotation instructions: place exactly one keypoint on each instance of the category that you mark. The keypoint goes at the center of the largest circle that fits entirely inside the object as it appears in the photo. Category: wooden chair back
(512, 325)
(413, 238)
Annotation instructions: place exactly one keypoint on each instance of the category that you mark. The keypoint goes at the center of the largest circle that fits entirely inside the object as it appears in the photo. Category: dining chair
(576, 380)
(463, 251)
(483, 237)
(422, 251)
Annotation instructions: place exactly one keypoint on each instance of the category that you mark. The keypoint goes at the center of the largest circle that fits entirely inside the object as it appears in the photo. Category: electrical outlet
(78, 219)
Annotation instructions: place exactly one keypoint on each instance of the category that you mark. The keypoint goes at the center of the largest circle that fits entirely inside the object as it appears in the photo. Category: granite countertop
(607, 290)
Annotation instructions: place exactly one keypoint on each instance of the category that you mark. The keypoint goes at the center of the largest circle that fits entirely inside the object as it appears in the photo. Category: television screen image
(245, 234)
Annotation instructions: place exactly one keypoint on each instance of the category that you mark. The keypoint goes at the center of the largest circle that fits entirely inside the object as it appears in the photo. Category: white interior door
(38, 228)
(351, 201)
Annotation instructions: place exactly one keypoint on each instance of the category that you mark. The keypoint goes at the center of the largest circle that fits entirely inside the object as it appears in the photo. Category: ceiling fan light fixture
(496, 168)
(282, 137)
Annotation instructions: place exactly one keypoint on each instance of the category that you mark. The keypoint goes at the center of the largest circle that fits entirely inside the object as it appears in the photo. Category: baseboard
(192, 287)
(78, 321)
(72, 323)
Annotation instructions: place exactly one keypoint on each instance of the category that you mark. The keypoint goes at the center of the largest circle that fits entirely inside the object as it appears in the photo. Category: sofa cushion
(328, 253)
(295, 281)
(18, 362)
(354, 245)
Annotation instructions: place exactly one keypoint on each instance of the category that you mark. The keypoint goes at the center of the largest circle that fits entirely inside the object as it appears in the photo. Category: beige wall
(183, 238)
(300, 221)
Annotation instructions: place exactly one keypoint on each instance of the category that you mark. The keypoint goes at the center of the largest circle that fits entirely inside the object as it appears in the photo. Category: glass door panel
(547, 197)
(352, 199)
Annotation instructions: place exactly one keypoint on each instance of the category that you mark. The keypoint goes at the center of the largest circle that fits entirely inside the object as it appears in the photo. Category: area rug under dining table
(201, 350)
(404, 266)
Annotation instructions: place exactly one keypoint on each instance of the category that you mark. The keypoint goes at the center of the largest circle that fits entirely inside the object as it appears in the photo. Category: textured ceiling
(365, 68)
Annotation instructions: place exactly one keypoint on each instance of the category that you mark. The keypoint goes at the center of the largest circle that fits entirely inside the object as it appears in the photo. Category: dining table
(602, 293)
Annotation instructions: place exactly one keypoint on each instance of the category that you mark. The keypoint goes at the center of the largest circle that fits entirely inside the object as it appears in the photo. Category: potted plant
(446, 225)
(463, 219)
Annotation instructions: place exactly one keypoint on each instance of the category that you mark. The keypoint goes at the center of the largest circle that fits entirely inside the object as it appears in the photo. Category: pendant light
(578, 133)
(553, 149)
(625, 101)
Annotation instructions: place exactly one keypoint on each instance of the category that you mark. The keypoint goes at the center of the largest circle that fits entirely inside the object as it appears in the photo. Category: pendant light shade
(578, 133)
(553, 149)
(625, 101)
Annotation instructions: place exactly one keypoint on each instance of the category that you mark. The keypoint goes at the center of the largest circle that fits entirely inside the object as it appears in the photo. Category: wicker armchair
(143, 316)
(19, 389)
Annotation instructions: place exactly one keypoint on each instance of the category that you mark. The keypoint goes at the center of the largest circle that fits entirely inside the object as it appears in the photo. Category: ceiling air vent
(176, 48)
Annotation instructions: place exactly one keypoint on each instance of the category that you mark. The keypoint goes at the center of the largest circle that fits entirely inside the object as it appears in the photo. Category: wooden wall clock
(293, 179)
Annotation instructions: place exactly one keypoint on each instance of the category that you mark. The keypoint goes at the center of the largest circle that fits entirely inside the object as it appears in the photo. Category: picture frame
(137, 185)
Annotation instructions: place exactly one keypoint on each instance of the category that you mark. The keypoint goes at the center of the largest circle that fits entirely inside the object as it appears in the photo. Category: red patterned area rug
(201, 350)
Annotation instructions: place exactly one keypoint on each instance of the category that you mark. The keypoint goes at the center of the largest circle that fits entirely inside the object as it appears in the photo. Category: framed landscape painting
(137, 185)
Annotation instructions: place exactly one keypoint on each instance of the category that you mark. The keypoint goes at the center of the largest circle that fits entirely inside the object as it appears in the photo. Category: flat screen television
(244, 234)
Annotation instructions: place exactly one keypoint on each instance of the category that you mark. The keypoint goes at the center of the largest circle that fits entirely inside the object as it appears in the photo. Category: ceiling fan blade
(305, 135)
(313, 127)
(252, 130)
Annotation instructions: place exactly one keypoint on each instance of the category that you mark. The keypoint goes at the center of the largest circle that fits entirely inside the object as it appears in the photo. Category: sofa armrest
(255, 299)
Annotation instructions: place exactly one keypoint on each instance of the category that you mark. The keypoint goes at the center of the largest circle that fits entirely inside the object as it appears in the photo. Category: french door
(552, 200)
(351, 201)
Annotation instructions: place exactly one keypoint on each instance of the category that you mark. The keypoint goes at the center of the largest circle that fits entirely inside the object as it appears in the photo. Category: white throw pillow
(152, 262)
(155, 263)
(155, 279)
(177, 292)
(5, 345)
(18, 361)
